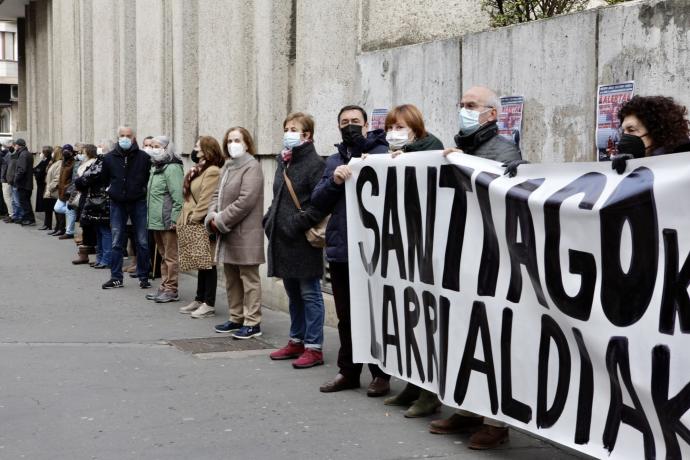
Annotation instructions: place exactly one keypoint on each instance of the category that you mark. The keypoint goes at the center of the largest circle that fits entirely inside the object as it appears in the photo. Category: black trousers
(4, 211)
(340, 282)
(25, 204)
(88, 234)
(49, 204)
(206, 284)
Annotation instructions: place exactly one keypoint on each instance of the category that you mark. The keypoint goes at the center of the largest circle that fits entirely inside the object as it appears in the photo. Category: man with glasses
(478, 115)
(478, 136)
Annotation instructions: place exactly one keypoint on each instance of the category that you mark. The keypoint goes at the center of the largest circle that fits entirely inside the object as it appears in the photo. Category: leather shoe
(378, 387)
(339, 383)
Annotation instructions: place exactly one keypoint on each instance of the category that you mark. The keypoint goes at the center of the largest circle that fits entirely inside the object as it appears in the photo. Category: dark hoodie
(329, 197)
(127, 173)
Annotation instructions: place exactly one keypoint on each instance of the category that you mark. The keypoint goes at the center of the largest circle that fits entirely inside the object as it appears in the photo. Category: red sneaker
(290, 351)
(310, 358)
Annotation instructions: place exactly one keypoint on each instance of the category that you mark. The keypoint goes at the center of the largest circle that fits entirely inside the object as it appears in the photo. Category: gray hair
(494, 101)
(120, 128)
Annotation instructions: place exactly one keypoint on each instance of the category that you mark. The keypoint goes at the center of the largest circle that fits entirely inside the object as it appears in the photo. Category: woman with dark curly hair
(651, 125)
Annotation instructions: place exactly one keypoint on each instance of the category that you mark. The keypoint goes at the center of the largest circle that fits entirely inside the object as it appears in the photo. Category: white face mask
(236, 149)
(99, 151)
(81, 157)
(291, 139)
(469, 120)
(398, 139)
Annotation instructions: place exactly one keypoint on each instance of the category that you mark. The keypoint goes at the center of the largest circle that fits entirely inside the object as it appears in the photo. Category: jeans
(206, 284)
(71, 214)
(25, 204)
(104, 244)
(119, 213)
(306, 310)
(17, 212)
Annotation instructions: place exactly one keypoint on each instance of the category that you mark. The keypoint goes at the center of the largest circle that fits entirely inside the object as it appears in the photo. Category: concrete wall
(191, 67)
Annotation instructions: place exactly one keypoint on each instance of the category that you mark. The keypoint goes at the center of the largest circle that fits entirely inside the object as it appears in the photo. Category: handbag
(74, 197)
(194, 247)
(316, 235)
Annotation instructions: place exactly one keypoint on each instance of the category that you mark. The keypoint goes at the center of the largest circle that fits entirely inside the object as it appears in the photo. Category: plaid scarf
(286, 154)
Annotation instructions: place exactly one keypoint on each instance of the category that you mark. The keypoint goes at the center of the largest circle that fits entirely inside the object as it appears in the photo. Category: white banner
(556, 301)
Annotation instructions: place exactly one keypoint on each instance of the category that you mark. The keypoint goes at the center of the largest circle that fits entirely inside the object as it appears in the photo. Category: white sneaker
(188, 309)
(204, 311)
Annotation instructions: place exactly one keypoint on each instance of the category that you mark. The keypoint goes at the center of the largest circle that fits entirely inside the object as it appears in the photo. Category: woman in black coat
(43, 204)
(290, 256)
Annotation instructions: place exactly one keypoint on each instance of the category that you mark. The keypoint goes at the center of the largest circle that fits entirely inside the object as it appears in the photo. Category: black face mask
(352, 135)
(194, 156)
(632, 145)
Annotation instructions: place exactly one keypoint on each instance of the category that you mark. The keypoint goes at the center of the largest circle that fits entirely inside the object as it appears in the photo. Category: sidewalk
(88, 374)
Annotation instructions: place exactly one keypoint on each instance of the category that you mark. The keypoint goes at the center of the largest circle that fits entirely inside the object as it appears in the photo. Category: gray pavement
(87, 374)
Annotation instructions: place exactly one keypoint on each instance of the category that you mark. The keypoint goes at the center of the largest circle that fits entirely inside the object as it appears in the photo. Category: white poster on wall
(555, 301)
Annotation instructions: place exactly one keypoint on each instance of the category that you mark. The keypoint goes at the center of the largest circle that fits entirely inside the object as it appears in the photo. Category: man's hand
(450, 150)
(341, 174)
(512, 167)
(396, 153)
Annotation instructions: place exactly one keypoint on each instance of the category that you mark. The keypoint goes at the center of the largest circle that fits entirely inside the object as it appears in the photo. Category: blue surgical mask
(125, 143)
(291, 139)
(469, 120)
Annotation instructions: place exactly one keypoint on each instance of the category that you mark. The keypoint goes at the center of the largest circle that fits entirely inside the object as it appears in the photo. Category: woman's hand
(450, 150)
(396, 153)
(212, 224)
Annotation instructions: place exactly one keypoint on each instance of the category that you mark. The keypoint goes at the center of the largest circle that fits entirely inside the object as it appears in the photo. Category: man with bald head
(478, 135)
(479, 108)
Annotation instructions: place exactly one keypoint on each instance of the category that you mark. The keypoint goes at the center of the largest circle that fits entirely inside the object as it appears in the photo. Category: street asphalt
(88, 374)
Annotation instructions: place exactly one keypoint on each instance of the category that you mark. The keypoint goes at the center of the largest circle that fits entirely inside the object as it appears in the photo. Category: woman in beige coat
(51, 192)
(198, 188)
(235, 216)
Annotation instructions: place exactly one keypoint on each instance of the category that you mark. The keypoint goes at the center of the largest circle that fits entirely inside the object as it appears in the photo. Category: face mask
(352, 135)
(291, 140)
(194, 156)
(632, 145)
(81, 157)
(42, 157)
(125, 143)
(469, 120)
(99, 151)
(397, 139)
(236, 149)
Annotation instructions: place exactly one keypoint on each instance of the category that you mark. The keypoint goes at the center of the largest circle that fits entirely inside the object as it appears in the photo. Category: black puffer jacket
(289, 253)
(92, 184)
(127, 173)
(24, 172)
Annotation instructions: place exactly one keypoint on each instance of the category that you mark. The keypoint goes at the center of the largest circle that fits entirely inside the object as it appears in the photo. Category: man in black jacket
(24, 181)
(4, 212)
(126, 170)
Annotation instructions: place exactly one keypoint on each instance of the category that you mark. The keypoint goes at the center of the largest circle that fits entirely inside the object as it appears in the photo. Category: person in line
(478, 135)
(52, 190)
(329, 197)
(16, 216)
(290, 255)
(126, 170)
(200, 184)
(89, 240)
(5, 211)
(164, 202)
(95, 212)
(650, 126)
(235, 216)
(406, 132)
(44, 204)
(24, 182)
(64, 188)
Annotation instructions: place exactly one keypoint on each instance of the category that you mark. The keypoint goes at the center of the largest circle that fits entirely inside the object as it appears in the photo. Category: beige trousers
(243, 287)
(166, 242)
(7, 194)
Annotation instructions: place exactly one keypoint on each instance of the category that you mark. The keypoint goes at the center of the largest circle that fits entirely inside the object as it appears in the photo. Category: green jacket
(428, 142)
(164, 198)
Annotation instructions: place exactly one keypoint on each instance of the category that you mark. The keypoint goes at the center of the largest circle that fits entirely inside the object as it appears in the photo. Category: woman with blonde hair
(235, 217)
(199, 185)
(51, 192)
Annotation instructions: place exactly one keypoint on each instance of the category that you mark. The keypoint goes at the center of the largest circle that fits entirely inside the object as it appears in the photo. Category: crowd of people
(213, 217)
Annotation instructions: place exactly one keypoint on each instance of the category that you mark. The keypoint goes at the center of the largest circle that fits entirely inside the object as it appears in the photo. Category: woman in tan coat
(235, 216)
(198, 188)
(51, 191)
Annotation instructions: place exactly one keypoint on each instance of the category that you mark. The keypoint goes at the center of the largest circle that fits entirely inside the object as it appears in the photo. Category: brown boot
(86, 249)
(132, 267)
(456, 423)
(81, 259)
(488, 437)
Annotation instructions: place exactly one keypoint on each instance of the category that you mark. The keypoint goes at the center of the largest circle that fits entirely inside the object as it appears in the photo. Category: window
(7, 46)
(14, 92)
(5, 120)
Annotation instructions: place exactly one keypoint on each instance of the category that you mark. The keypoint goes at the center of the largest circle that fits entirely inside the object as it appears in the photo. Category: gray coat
(236, 208)
(486, 143)
(11, 167)
(289, 253)
(24, 174)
